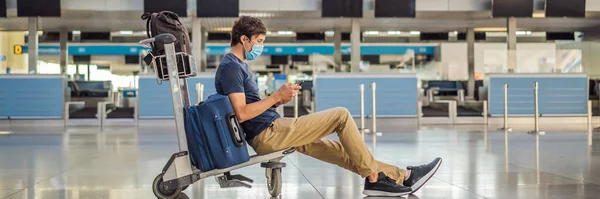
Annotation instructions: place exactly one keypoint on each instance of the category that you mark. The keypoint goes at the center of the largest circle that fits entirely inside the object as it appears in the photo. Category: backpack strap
(152, 26)
(146, 17)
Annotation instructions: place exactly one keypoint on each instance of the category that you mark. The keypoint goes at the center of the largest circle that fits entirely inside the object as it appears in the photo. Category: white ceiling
(304, 21)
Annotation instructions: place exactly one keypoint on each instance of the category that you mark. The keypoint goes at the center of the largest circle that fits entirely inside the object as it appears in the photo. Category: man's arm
(245, 111)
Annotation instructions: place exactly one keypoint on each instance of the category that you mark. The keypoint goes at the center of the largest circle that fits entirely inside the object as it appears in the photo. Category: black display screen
(300, 58)
(395, 8)
(55, 36)
(218, 36)
(176, 6)
(35, 8)
(434, 36)
(132, 59)
(565, 8)
(372, 59)
(95, 36)
(279, 59)
(512, 8)
(3, 8)
(342, 8)
(560, 36)
(218, 8)
(82, 59)
(310, 36)
(346, 58)
(479, 36)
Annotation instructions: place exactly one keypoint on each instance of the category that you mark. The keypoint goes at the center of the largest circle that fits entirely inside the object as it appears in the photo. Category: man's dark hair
(248, 26)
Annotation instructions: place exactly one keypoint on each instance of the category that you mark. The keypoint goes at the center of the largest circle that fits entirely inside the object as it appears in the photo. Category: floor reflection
(114, 163)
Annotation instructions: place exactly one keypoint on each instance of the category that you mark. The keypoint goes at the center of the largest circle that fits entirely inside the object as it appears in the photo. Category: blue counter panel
(396, 95)
(155, 100)
(559, 94)
(32, 96)
(211, 49)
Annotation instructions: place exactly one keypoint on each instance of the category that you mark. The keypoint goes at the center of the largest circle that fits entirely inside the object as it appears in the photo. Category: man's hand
(287, 92)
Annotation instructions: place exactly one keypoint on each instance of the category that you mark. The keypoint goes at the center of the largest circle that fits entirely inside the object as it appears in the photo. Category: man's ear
(243, 39)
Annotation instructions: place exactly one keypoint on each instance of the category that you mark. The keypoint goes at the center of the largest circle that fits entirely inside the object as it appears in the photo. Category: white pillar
(197, 42)
(512, 43)
(32, 44)
(355, 46)
(64, 49)
(471, 61)
(337, 53)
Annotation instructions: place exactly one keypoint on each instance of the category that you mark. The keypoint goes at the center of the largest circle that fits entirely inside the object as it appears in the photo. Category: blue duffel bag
(214, 135)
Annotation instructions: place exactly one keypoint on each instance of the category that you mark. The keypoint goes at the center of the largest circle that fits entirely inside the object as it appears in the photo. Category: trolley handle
(147, 41)
(165, 38)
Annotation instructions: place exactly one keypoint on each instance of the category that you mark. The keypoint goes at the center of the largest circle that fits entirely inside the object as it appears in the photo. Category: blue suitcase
(215, 138)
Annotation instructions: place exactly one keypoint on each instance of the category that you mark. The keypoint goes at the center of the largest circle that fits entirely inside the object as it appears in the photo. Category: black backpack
(167, 22)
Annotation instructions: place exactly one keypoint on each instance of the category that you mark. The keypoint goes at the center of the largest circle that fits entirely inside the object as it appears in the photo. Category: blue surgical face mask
(255, 52)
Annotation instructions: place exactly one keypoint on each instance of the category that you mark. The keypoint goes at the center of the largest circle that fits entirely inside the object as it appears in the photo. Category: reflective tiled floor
(121, 162)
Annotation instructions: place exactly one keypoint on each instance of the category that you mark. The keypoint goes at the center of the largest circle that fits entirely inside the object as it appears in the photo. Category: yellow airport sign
(18, 49)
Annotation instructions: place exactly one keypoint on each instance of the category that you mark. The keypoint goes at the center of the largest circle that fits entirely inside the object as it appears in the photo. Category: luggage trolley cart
(179, 172)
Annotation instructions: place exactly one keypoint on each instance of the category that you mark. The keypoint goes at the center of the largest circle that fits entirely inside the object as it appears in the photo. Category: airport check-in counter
(154, 100)
(396, 93)
(560, 95)
(30, 96)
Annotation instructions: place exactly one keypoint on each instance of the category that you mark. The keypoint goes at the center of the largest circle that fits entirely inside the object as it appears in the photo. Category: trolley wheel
(274, 181)
(162, 192)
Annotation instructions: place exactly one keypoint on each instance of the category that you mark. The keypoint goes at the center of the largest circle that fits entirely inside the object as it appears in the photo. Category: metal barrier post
(485, 112)
(430, 97)
(506, 128)
(536, 111)
(199, 92)
(66, 115)
(374, 119)
(452, 111)
(296, 106)
(419, 111)
(100, 113)
(461, 96)
(363, 130)
(589, 120)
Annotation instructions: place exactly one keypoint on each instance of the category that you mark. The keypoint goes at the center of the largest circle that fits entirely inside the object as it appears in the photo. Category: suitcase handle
(235, 130)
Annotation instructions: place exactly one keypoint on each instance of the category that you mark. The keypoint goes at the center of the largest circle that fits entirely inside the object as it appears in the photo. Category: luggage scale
(179, 172)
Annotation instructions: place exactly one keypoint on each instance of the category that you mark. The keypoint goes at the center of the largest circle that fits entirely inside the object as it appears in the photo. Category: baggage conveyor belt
(84, 113)
(461, 112)
(121, 113)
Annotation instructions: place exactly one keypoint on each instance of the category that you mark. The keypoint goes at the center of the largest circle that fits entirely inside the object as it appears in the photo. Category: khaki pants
(306, 134)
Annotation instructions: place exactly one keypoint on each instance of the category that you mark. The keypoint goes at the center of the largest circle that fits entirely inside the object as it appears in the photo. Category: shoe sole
(384, 194)
(426, 178)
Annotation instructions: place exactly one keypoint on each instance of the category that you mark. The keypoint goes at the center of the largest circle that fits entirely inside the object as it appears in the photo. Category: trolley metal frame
(179, 172)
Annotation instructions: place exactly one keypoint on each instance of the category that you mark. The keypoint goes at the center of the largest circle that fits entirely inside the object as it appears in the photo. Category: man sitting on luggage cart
(267, 132)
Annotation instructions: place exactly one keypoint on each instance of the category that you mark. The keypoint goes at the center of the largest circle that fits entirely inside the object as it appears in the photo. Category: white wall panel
(536, 57)
(103, 5)
(280, 5)
(454, 61)
(431, 5)
(590, 58)
(490, 57)
(83, 5)
(592, 5)
(117, 5)
(469, 5)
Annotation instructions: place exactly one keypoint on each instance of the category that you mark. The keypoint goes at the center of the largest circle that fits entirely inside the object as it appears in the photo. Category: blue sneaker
(385, 186)
(419, 175)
